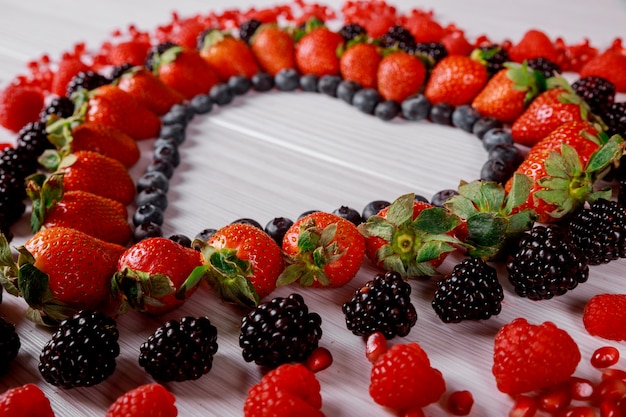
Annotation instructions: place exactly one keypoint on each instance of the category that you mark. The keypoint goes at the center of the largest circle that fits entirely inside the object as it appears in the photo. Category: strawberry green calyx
(309, 26)
(212, 37)
(569, 96)
(167, 57)
(526, 79)
(44, 194)
(8, 268)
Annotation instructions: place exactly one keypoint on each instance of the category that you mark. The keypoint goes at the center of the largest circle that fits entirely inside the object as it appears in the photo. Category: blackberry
(400, 37)
(351, 31)
(248, 28)
(85, 80)
(598, 92)
(33, 139)
(156, 50)
(119, 70)
(600, 231)
(470, 292)
(546, 264)
(494, 57)
(435, 51)
(9, 344)
(381, 305)
(180, 350)
(18, 161)
(82, 352)
(61, 107)
(280, 331)
(544, 66)
(615, 119)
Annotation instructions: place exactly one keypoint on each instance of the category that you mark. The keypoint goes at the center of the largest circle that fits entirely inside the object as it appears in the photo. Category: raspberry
(605, 315)
(25, 401)
(149, 400)
(402, 378)
(529, 357)
(19, 105)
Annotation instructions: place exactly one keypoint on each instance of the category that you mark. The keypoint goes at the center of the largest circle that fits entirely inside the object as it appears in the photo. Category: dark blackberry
(156, 50)
(381, 305)
(82, 352)
(279, 331)
(62, 107)
(600, 231)
(180, 350)
(470, 292)
(544, 66)
(494, 57)
(349, 214)
(435, 51)
(33, 139)
(85, 80)
(9, 344)
(19, 161)
(598, 92)
(351, 31)
(277, 228)
(248, 29)
(546, 264)
(399, 37)
(119, 70)
(615, 119)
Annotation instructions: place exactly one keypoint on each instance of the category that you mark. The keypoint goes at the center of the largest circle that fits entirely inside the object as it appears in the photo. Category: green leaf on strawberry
(8, 268)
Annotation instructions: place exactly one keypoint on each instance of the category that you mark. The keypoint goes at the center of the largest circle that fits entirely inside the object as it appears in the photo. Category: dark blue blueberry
(497, 170)
(162, 166)
(508, 153)
(204, 236)
(327, 84)
(277, 228)
(349, 214)
(251, 222)
(262, 81)
(372, 208)
(221, 94)
(146, 230)
(148, 213)
(485, 124)
(416, 108)
(178, 114)
(497, 136)
(366, 99)
(154, 179)
(440, 197)
(152, 195)
(181, 240)
(167, 152)
(421, 199)
(441, 113)
(165, 141)
(464, 117)
(308, 82)
(306, 213)
(387, 110)
(173, 131)
(346, 90)
(239, 84)
(287, 79)
(201, 104)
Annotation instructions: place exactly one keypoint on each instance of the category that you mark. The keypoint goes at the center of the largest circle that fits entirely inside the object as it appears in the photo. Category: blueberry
(497, 136)
(204, 236)
(146, 230)
(173, 131)
(346, 90)
(366, 99)
(154, 179)
(387, 110)
(420, 199)
(441, 114)
(308, 82)
(440, 197)
(497, 170)
(287, 79)
(221, 94)
(165, 141)
(251, 222)
(416, 108)
(148, 213)
(239, 84)
(277, 228)
(152, 195)
(167, 152)
(181, 240)
(327, 84)
(178, 114)
(484, 124)
(306, 213)
(349, 214)
(201, 104)
(464, 117)
(508, 153)
(262, 81)
(372, 208)
(163, 166)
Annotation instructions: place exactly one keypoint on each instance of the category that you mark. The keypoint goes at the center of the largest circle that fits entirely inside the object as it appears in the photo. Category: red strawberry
(400, 75)
(149, 400)
(273, 48)
(316, 51)
(19, 104)
(455, 80)
(68, 67)
(534, 44)
(243, 263)
(149, 90)
(403, 380)
(289, 390)
(359, 62)
(60, 272)
(227, 55)
(610, 65)
(529, 357)
(323, 249)
(605, 315)
(25, 401)
(156, 275)
(410, 237)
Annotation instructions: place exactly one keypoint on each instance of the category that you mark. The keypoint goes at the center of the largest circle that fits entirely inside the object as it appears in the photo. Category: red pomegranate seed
(611, 389)
(524, 406)
(416, 412)
(581, 389)
(375, 346)
(580, 411)
(557, 398)
(609, 409)
(320, 359)
(604, 357)
(460, 403)
(614, 374)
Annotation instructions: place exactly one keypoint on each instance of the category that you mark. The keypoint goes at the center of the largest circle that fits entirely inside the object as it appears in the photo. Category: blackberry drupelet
(381, 305)
(87, 80)
(9, 344)
(433, 50)
(544, 66)
(280, 331)
(494, 57)
(62, 107)
(33, 139)
(248, 28)
(470, 292)
(400, 37)
(180, 350)
(598, 92)
(600, 231)
(546, 264)
(18, 161)
(82, 352)
(351, 31)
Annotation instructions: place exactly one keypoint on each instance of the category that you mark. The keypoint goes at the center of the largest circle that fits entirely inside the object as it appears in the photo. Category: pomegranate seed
(524, 406)
(460, 403)
(375, 346)
(581, 411)
(416, 412)
(557, 398)
(611, 389)
(604, 357)
(581, 389)
(622, 406)
(609, 409)
(615, 374)
(320, 359)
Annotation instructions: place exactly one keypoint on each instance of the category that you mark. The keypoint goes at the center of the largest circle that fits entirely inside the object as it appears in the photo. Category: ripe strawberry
(610, 65)
(289, 390)
(533, 44)
(25, 401)
(59, 272)
(227, 55)
(19, 104)
(604, 316)
(359, 62)
(149, 90)
(529, 357)
(402, 378)
(156, 275)
(68, 67)
(316, 51)
(273, 48)
(508, 92)
(323, 250)
(149, 400)
(409, 237)
(400, 75)
(243, 263)
(455, 80)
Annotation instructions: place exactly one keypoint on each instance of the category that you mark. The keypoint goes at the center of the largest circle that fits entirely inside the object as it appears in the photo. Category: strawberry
(273, 48)
(149, 90)
(227, 55)
(59, 272)
(182, 69)
(20, 104)
(604, 316)
(455, 80)
(156, 275)
(403, 380)
(289, 390)
(409, 237)
(243, 263)
(610, 65)
(359, 62)
(100, 217)
(25, 401)
(323, 250)
(316, 51)
(400, 75)
(68, 67)
(148, 400)
(529, 357)
(508, 92)
(534, 44)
